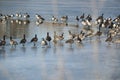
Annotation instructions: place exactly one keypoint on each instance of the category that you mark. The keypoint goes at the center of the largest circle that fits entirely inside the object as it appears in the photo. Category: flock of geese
(111, 27)
(72, 38)
(24, 18)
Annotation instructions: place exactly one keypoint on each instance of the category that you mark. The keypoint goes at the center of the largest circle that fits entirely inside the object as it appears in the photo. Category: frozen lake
(91, 60)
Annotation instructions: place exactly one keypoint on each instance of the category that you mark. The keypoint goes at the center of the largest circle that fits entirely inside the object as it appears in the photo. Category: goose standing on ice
(69, 41)
(3, 42)
(82, 16)
(34, 40)
(48, 38)
(77, 39)
(26, 16)
(99, 33)
(77, 18)
(13, 43)
(109, 39)
(64, 19)
(54, 19)
(89, 18)
(58, 37)
(71, 35)
(18, 15)
(39, 18)
(44, 43)
(61, 37)
(23, 41)
(99, 19)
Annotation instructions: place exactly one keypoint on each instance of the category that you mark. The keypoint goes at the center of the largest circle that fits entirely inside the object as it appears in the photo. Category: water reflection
(23, 49)
(34, 49)
(79, 45)
(14, 29)
(2, 53)
(12, 50)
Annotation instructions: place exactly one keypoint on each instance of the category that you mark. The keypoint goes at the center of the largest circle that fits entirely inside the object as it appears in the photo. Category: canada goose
(77, 18)
(34, 40)
(61, 37)
(82, 36)
(26, 15)
(3, 42)
(77, 39)
(54, 19)
(48, 38)
(99, 19)
(99, 33)
(39, 17)
(109, 39)
(82, 16)
(64, 18)
(44, 42)
(23, 41)
(71, 35)
(58, 37)
(89, 18)
(70, 41)
(12, 42)
(18, 15)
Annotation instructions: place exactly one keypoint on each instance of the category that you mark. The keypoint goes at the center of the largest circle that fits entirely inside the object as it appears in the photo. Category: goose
(3, 42)
(18, 15)
(58, 37)
(77, 18)
(39, 17)
(71, 35)
(109, 39)
(23, 41)
(78, 39)
(82, 16)
(105, 23)
(82, 36)
(44, 42)
(26, 15)
(69, 41)
(61, 37)
(116, 19)
(99, 33)
(111, 25)
(54, 19)
(64, 18)
(99, 19)
(48, 38)
(12, 15)
(34, 40)
(84, 23)
(89, 18)
(12, 42)
(88, 22)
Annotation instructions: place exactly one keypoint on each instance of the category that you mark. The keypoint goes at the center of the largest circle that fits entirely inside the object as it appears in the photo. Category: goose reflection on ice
(2, 53)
